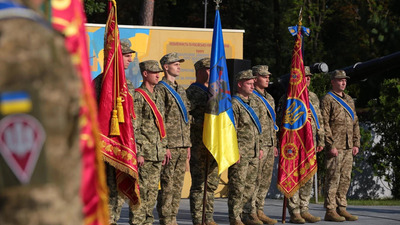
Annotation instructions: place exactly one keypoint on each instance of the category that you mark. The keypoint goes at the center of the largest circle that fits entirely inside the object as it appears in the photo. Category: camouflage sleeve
(356, 128)
(187, 128)
(192, 98)
(320, 132)
(138, 105)
(266, 134)
(235, 109)
(273, 131)
(325, 111)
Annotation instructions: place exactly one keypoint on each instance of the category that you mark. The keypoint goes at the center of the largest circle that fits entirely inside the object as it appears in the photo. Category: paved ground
(368, 215)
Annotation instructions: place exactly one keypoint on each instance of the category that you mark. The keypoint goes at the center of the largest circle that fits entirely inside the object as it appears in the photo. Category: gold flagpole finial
(300, 16)
(217, 2)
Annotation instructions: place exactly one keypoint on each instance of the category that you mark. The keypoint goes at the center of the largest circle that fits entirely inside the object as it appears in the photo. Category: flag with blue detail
(219, 133)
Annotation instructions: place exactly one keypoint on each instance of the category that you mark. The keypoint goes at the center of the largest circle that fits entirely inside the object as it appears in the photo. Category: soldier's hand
(167, 157)
(261, 154)
(319, 148)
(355, 150)
(238, 160)
(140, 161)
(276, 152)
(334, 152)
(188, 154)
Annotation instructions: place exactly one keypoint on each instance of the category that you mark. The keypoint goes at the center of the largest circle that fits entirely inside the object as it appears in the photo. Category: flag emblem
(15, 102)
(295, 115)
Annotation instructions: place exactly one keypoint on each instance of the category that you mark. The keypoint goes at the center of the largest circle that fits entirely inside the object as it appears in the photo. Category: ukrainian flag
(15, 102)
(219, 133)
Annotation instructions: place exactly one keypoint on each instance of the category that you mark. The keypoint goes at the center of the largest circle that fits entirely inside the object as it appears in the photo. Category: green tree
(386, 125)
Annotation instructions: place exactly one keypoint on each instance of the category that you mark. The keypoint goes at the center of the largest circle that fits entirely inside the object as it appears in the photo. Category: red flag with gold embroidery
(69, 18)
(116, 114)
(297, 160)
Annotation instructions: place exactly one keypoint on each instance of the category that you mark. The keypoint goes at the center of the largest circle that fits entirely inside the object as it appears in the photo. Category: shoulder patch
(21, 141)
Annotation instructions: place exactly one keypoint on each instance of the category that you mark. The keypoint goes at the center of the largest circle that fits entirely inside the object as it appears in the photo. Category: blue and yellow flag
(219, 133)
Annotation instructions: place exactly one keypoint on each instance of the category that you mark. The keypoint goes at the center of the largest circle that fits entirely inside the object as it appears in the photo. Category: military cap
(244, 75)
(262, 70)
(307, 71)
(170, 58)
(150, 65)
(202, 63)
(339, 74)
(126, 46)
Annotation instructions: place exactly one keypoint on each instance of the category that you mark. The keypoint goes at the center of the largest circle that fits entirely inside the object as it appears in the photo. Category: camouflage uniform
(34, 61)
(152, 149)
(301, 199)
(200, 159)
(243, 175)
(173, 174)
(116, 200)
(343, 133)
(269, 143)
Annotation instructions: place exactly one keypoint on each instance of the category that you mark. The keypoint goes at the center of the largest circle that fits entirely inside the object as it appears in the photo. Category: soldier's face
(204, 75)
(262, 81)
(246, 87)
(308, 80)
(173, 69)
(339, 85)
(151, 77)
(127, 58)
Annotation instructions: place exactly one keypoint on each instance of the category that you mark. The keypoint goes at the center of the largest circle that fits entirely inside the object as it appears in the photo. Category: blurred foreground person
(40, 164)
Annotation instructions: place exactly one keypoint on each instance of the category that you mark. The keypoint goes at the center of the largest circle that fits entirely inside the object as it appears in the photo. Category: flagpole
(284, 198)
(203, 215)
(284, 210)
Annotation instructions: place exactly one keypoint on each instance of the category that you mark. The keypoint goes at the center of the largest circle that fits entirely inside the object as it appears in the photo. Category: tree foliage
(386, 124)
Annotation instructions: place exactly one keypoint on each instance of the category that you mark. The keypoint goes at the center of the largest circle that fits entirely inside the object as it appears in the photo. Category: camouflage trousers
(172, 176)
(149, 177)
(116, 201)
(242, 184)
(301, 199)
(337, 178)
(198, 166)
(264, 177)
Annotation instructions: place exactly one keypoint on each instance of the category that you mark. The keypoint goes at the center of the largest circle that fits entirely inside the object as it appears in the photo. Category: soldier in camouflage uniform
(201, 161)
(178, 144)
(149, 142)
(243, 175)
(342, 141)
(269, 142)
(116, 201)
(36, 66)
(298, 204)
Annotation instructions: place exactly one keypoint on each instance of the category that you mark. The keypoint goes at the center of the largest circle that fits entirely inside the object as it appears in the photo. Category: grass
(385, 202)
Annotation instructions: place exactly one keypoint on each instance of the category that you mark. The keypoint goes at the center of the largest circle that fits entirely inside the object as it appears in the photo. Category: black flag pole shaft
(284, 210)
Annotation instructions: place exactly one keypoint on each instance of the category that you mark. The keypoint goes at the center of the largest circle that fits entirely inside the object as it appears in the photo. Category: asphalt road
(368, 215)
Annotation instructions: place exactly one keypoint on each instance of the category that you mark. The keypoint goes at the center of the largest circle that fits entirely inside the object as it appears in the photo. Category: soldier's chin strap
(12, 10)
